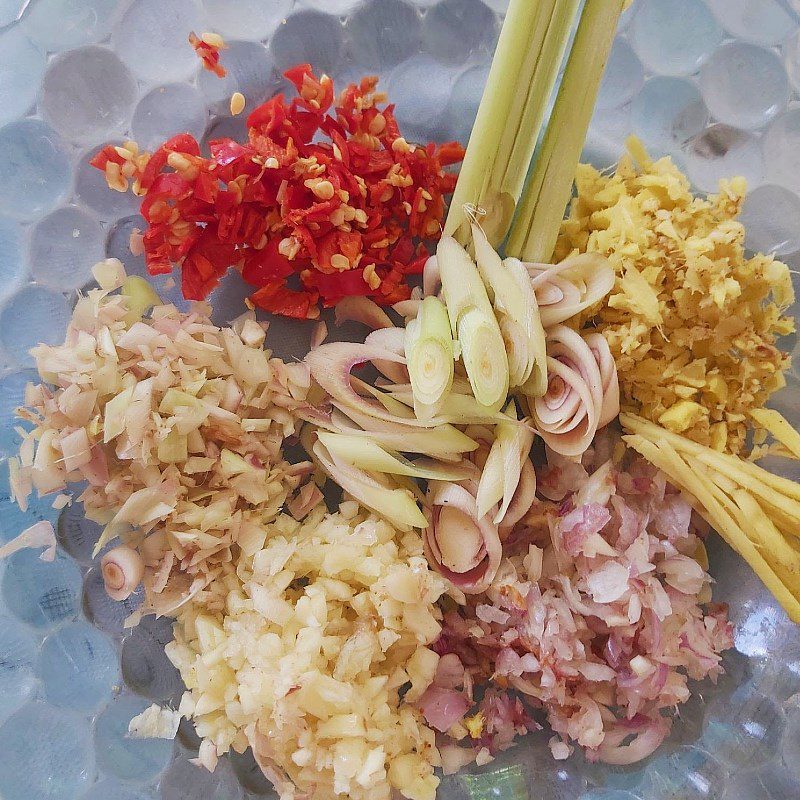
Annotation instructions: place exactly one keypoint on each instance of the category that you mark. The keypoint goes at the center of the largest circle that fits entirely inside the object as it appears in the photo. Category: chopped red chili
(325, 200)
(207, 48)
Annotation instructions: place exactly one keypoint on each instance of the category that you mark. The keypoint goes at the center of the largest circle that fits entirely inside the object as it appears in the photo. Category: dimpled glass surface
(714, 83)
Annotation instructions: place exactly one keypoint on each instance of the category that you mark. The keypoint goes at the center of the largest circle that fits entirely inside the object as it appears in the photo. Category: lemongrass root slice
(608, 377)
(503, 467)
(568, 415)
(517, 309)
(444, 442)
(462, 286)
(331, 364)
(483, 352)
(363, 310)
(391, 339)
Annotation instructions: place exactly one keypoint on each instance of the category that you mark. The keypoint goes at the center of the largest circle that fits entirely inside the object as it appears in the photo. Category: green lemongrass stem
(533, 105)
(430, 355)
(444, 442)
(515, 303)
(483, 352)
(521, 79)
(457, 409)
(535, 230)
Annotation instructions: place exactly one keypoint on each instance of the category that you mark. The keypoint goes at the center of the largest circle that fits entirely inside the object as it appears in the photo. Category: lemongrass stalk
(535, 230)
(457, 409)
(532, 110)
(429, 355)
(521, 79)
(397, 504)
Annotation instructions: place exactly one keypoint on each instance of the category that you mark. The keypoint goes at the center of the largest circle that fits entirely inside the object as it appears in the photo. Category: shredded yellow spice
(691, 322)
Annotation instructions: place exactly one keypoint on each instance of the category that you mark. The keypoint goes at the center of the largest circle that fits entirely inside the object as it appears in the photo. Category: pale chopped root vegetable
(175, 424)
(750, 508)
(40, 534)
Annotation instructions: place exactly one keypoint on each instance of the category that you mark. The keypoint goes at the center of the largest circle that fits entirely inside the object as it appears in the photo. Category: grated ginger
(691, 322)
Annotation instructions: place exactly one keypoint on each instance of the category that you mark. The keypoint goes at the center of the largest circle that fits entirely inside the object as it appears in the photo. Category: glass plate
(713, 84)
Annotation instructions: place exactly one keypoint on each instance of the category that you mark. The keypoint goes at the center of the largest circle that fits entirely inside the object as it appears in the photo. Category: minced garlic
(692, 323)
(302, 651)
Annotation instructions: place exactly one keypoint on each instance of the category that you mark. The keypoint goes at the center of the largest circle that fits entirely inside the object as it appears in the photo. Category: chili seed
(213, 40)
(237, 103)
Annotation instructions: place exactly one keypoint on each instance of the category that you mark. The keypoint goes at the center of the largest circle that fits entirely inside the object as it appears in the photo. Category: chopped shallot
(598, 618)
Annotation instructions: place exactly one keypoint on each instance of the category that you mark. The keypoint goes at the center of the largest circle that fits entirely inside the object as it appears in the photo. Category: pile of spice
(692, 323)
(177, 428)
(321, 203)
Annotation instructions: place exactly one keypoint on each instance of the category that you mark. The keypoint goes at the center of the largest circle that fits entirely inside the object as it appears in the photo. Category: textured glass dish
(714, 83)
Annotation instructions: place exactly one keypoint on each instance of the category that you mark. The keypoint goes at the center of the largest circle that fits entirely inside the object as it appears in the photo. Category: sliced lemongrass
(540, 211)
(397, 505)
(510, 289)
(565, 289)
(456, 408)
(501, 473)
(483, 352)
(429, 355)
(445, 442)
(462, 286)
(535, 382)
(366, 454)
